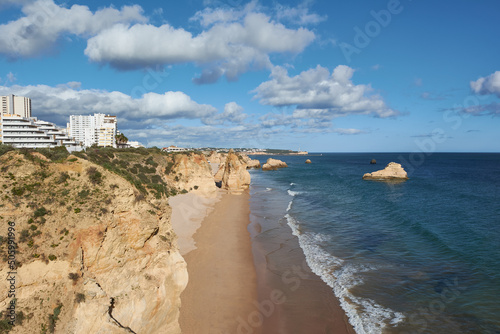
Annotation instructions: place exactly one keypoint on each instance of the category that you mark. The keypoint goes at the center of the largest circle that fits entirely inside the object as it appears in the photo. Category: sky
(316, 75)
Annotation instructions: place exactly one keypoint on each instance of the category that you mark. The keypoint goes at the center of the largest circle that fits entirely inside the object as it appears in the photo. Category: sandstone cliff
(391, 171)
(192, 172)
(273, 164)
(95, 253)
(235, 176)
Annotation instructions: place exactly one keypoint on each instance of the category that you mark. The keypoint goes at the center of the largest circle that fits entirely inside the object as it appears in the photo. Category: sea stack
(393, 171)
(273, 164)
(253, 164)
(308, 161)
(373, 162)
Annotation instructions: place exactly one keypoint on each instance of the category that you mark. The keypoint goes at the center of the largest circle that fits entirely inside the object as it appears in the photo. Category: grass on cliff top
(139, 166)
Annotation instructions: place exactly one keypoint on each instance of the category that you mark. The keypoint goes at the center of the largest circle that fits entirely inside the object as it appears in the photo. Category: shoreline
(242, 281)
(221, 294)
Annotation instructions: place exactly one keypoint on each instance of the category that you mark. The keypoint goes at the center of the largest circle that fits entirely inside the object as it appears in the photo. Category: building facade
(16, 105)
(22, 132)
(99, 129)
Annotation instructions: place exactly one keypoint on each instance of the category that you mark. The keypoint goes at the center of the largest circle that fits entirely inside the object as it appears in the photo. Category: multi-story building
(15, 105)
(96, 129)
(31, 133)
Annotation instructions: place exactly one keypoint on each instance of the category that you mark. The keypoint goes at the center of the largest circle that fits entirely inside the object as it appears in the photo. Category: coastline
(222, 289)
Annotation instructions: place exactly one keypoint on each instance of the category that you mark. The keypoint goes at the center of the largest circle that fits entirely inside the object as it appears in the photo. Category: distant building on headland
(16, 105)
(173, 148)
(97, 129)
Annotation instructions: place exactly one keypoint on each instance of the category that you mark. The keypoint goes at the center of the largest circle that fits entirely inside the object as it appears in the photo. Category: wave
(365, 315)
(293, 184)
(293, 193)
(269, 189)
(289, 206)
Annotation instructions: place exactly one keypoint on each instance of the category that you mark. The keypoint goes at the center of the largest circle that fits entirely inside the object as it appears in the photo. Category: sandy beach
(221, 294)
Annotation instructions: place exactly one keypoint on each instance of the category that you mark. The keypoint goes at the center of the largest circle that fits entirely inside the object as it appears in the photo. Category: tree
(121, 139)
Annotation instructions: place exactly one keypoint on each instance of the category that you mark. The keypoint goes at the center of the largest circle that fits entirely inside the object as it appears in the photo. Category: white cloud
(57, 103)
(349, 131)
(318, 94)
(45, 22)
(233, 43)
(487, 85)
(233, 113)
(299, 15)
(11, 77)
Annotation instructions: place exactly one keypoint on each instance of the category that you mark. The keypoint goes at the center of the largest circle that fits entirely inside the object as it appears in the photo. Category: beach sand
(221, 293)
(242, 282)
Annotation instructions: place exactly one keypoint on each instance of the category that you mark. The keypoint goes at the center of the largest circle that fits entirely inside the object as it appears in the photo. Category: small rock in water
(308, 161)
(373, 162)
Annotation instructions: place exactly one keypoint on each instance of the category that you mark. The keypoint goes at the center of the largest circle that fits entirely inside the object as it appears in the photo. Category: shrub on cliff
(94, 175)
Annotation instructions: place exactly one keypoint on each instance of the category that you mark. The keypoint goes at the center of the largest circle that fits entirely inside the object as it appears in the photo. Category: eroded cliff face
(235, 177)
(94, 254)
(192, 172)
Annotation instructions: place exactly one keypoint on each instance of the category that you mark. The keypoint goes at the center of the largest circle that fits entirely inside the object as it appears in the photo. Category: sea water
(419, 256)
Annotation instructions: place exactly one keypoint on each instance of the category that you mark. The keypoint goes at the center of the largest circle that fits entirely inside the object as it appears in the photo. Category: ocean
(419, 256)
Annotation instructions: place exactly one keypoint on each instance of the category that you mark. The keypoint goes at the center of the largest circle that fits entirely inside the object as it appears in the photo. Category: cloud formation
(57, 103)
(316, 93)
(492, 109)
(45, 22)
(487, 85)
(232, 43)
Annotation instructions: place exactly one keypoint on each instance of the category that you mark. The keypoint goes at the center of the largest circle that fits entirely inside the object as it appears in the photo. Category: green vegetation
(63, 177)
(94, 175)
(53, 318)
(52, 257)
(40, 212)
(137, 166)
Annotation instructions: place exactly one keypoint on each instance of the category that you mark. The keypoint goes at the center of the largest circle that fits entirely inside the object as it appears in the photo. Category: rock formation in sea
(235, 176)
(308, 161)
(253, 164)
(95, 253)
(273, 164)
(373, 162)
(390, 172)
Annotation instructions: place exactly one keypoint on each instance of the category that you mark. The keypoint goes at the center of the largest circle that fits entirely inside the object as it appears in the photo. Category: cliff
(232, 174)
(96, 252)
(390, 172)
(192, 172)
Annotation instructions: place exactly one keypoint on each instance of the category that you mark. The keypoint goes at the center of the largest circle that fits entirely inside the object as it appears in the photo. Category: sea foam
(365, 315)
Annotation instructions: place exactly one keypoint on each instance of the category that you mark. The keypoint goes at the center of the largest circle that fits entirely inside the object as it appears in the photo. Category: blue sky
(330, 76)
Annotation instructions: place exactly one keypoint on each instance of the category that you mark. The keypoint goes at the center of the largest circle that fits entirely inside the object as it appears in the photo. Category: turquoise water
(420, 256)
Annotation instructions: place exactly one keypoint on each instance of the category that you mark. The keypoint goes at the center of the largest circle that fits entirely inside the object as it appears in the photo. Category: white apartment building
(97, 129)
(15, 105)
(60, 135)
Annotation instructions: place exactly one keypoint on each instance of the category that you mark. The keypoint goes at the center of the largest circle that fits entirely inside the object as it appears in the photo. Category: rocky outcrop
(273, 164)
(373, 162)
(215, 158)
(192, 172)
(93, 254)
(393, 171)
(235, 176)
(253, 164)
(308, 161)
